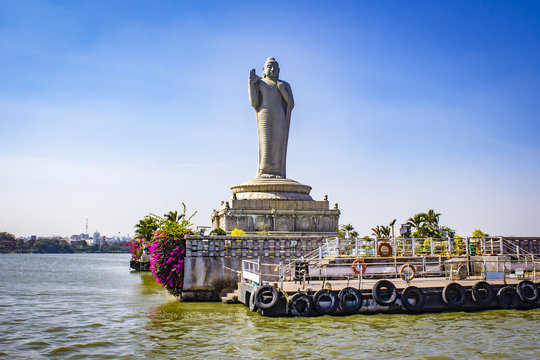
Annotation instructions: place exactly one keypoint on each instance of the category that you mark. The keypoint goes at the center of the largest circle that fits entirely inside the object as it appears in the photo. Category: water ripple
(89, 306)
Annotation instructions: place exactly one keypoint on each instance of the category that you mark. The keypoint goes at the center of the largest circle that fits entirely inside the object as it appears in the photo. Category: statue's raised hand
(253, 77)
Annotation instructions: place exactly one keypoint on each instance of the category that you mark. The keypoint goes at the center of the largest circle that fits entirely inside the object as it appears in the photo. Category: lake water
(90, 306)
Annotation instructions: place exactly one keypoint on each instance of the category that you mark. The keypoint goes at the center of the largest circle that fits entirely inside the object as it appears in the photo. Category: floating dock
(388, 296)
(329, 284)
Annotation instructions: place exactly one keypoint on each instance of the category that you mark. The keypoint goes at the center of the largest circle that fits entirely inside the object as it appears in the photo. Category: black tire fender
(527, 291)
(412, 299)
(294, 307)
(453, 295)
(384, 292)
(350, 300)
(508, 298)
(482, 293)
(323, 295)
(266, 297)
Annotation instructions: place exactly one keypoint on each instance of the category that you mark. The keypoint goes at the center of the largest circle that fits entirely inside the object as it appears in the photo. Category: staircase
(231, 298)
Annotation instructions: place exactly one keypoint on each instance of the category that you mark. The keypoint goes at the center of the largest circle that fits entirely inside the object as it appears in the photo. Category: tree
(416, 221)
(348, 228)
(426, 224)
(478, 233)
(51, 246)
(381, 231)
(145, 228)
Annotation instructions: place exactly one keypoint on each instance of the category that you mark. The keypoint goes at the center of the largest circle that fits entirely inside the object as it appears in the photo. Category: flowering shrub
(167, 253)
(238, 232)
(136, 247)
(165, 238)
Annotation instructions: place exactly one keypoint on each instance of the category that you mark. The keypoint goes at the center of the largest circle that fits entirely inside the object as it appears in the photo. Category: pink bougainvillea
(136, 247)
(167, 253)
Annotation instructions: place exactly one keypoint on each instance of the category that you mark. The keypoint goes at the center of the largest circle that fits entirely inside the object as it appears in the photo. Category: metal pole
(281, 274)
(413, 244)
(356, 246)
(431, 246)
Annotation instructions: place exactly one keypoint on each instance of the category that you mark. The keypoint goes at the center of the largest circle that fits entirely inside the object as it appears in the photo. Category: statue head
(271, 68)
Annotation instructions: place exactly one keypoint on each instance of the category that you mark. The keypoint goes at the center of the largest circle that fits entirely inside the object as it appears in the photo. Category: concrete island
(301, 268)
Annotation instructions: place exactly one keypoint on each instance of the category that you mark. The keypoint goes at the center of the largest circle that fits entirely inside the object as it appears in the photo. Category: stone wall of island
(213, 263)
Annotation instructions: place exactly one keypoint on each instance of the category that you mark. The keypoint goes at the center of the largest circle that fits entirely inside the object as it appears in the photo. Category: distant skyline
(112, 110)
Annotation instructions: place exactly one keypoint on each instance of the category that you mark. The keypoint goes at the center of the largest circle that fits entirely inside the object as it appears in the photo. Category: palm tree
(347, 227)
(145, 228)
(432, 218)
(381, 231)
(417, 221)
(173, 216)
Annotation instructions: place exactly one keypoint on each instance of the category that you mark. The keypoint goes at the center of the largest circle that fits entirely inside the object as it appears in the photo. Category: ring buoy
(300, 304)
(384, 292)
(412, 299)
(355, 268)
(462, 272)
(350, 300)
(482, 293)
(527, 291)
(384, 249)
(407, 272)
(266, 297)
(324, 301)
(493, 254)
(508, 298)
(453, 295)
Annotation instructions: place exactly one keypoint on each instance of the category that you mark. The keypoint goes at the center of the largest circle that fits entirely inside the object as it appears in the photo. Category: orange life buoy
(384, 249)
(407, 272)
(355, 268)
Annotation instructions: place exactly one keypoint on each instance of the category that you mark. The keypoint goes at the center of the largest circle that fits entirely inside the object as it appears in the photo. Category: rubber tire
(252, 306)
(344, 305)
(259, 297)
(317, 298)
(300, 297)
(379, 298)
(450, 300)
(477, 291)
(420, 299)
(524, 295)
(505, 294)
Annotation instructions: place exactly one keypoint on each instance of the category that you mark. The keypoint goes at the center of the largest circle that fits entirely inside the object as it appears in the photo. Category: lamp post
(392, 225)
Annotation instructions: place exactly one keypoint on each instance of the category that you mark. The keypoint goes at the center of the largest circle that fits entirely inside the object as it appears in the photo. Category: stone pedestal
(278, 206)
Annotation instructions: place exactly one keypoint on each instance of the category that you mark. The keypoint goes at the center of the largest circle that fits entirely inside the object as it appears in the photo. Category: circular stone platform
(271, 189)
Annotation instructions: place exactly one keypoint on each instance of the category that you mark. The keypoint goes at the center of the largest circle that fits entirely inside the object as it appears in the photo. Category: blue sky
(110, 110)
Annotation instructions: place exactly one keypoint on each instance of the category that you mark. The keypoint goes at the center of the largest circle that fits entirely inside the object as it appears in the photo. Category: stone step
(231, 298)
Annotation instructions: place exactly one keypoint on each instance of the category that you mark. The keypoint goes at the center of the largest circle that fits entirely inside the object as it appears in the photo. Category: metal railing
(454, 269)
